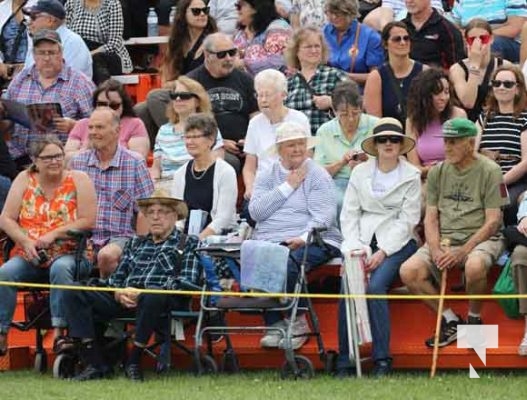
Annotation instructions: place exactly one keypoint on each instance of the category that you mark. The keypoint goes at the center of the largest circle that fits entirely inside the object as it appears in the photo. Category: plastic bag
(505, 285)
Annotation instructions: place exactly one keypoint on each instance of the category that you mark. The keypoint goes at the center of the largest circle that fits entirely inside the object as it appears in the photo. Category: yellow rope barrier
(271, 295)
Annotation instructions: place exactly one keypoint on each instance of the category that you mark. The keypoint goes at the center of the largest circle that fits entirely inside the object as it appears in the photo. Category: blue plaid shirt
(145, 264)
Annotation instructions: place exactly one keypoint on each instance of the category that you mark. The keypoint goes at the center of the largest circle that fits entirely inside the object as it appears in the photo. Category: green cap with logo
(459, 128)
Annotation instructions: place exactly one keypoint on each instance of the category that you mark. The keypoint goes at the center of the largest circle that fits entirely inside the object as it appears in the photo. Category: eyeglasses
(311, 47)
(112, 104)
(44, 53)
(51, 157)
(183, 95)
(385, 139)
(160, 213)
(485, 39)
(190, 137)
(197, 11)
(223, 53)
(352, 113)
(33, 17)
(399, 39)
(335, 14)
(496, 83)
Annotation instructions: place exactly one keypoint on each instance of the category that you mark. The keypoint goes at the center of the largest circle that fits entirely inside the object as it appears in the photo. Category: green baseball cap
(459, 128)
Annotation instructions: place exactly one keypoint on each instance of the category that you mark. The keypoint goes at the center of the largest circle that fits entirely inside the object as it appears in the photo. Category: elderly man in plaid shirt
(163, 259)
(120, 177)
(49, 80)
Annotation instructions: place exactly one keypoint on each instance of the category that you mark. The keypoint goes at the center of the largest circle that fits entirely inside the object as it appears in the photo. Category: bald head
(103, 129)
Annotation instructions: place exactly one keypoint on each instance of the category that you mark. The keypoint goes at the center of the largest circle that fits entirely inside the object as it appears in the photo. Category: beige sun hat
(291, 131)
(162, 197)
(387, 127)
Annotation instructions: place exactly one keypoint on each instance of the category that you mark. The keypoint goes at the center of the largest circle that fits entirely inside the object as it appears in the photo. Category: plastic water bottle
(172, 15)
(151, 22)
(243, 229)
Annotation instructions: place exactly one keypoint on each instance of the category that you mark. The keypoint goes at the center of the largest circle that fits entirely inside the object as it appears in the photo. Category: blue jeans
(507, 48)
(316, 255)
(17, 269)
(380, 280)
(5, 184)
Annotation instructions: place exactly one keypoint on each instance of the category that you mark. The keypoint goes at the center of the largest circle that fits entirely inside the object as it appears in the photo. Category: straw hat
(291, 131)
(162, 197)
(387, 127)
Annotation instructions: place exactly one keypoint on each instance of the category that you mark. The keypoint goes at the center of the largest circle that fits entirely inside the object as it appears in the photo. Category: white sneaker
(272, 337)
(300, 327)
(522, 348)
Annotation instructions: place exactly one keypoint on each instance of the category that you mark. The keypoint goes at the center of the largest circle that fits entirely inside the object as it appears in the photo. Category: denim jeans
(380, 280)
(60, 272)
(316, 255)
(507, 48)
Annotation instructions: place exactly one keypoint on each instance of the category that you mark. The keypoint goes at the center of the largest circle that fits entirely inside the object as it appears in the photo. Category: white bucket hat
(291, 131)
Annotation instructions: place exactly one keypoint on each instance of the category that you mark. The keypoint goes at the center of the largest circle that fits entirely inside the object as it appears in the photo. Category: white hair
(273, 78)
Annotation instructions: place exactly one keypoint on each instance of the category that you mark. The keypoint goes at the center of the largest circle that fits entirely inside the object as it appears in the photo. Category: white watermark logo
(477, 337)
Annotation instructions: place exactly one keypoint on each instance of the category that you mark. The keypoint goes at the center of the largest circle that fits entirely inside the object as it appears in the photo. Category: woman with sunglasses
(338, 141)
(380, 211)
(309, 89)
(471, 77)
(353, 47)
(170, 153)
(503, 132)
(386, 90)
(261, 37)
(132, 135)
(192, 24)
(100, 24)
(429, 105)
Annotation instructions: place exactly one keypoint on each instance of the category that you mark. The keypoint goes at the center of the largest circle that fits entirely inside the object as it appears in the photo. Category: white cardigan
(224, 195)
(392, 218)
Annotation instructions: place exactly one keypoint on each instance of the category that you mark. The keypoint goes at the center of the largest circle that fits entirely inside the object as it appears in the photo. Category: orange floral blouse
(39, 215)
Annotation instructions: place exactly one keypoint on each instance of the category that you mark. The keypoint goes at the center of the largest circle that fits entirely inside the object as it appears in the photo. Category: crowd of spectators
(296, 114)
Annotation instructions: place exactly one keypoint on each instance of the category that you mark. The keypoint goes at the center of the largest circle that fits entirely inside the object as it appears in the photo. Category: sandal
(3, 345)
(62, 344)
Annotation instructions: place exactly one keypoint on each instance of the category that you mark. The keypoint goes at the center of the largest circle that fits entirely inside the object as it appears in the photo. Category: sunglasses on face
(399, 39)
(223, 53)
(386, 139)
(183, 95)
(197, 11)
(496, 83)
(484, 39)
(112, 104)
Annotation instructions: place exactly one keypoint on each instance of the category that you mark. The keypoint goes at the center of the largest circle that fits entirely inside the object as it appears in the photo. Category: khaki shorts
(489, 251)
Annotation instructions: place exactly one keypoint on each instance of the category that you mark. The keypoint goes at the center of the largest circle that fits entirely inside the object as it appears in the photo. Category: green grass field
(267, 385)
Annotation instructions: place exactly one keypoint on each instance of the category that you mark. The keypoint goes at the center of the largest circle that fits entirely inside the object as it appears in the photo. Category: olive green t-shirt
(462, 197)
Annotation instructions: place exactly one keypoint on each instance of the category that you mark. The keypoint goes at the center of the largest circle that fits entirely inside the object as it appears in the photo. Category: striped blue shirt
(282, 212)
(495, 12)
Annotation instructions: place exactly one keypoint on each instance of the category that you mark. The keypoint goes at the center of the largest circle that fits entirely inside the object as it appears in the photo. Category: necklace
(201, 174)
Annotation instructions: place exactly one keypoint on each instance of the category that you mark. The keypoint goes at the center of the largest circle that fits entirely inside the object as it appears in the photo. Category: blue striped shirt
(282, 212)
(495, 12)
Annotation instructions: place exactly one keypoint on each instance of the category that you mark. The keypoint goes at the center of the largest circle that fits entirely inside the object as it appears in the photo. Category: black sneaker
(382, 368)
(91, 373)
(134, 372)
(447, 334)
(474, 320)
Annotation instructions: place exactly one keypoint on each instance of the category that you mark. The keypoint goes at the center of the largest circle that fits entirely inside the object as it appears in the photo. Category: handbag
(505, 285)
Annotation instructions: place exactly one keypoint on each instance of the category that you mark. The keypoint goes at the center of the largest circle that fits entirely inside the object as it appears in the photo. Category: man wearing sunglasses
(231, 92)
(50, 14)
(506, 17)
(465, 194)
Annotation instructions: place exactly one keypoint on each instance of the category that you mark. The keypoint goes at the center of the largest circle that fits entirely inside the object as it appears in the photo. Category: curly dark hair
(179, 38)
(265, 13)
(421, 111)
(112, 85)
